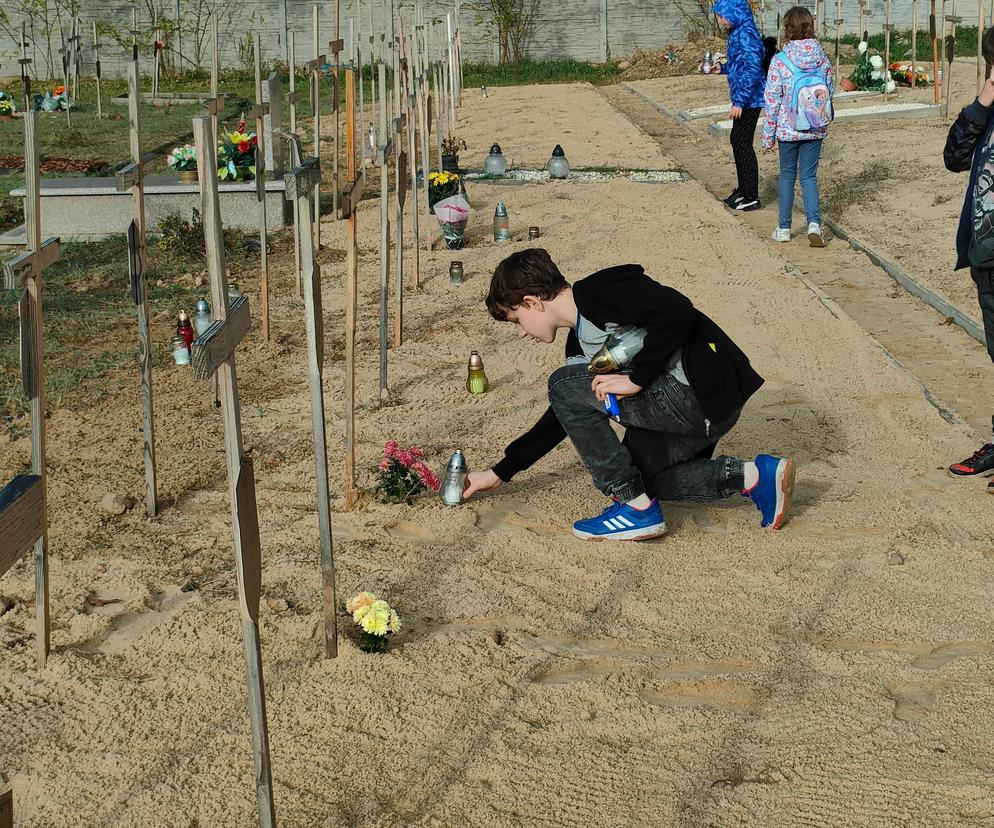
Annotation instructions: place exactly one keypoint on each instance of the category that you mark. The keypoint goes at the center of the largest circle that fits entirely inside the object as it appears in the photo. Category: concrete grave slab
(721, 109)
(902, 110)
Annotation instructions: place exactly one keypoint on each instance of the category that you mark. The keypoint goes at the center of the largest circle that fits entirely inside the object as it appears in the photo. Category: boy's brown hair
(798, 24)
(525, 273)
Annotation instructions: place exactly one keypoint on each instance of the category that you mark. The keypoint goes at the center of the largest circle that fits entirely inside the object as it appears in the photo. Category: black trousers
(984, 280)
(746, 165)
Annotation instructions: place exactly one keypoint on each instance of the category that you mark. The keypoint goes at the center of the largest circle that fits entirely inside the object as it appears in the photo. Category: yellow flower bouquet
(376, 618)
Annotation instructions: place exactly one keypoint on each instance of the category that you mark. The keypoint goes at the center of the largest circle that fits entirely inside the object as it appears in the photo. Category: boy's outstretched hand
(620, 385)
(480, 481)
(986, 96)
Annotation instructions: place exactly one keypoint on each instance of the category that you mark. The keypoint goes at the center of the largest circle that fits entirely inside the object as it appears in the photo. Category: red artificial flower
(255, 140)
(243, 146)
(241, 126)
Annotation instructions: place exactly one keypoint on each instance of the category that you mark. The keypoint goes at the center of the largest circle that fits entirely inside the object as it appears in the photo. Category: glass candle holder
(502, 223)
(181, 354)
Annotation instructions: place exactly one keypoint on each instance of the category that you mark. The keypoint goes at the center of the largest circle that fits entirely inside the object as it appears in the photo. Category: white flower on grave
(862, 47)
(875, 75)
(890, 86)
(876, 61)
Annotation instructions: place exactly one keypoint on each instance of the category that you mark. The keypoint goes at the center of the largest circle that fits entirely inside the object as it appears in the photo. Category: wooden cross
(156, 57)
(954, 19)
(935, 50)
(382, 156)
(348, 202)
(132, 177)
(336, 47)
(397, 126)
(24, 501)
(314, 67)
(888, 28)
(25, 62)
(214, 350)
(411, 112)
(64, 55)
(423, 89)
(96, 64)
(294, 95)
(215, 104)
(75, 57)
(838, 33)
(299, 182)
(259, 111)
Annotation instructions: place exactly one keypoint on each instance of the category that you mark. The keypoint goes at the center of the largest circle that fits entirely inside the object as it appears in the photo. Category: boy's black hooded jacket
(719, 372)
(967, 137)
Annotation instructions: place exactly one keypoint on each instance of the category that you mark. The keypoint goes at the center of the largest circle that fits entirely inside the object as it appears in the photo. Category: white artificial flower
(890, 86)
(876, 61)
(171, 160)
(862, 47)
(876, 75)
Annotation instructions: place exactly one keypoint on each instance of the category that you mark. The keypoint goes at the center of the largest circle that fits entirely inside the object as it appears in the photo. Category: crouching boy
(678, 396)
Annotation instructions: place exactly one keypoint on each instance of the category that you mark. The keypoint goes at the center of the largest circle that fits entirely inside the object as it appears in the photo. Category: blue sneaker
(622, 522)
(772, 493)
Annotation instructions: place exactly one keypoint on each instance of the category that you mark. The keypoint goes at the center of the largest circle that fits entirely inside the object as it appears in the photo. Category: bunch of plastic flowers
(403, 474)
(236, 155)
(183, 158)
(376, 618)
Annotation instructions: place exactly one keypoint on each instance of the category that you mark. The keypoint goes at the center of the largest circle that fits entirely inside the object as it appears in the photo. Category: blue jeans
(804, 154)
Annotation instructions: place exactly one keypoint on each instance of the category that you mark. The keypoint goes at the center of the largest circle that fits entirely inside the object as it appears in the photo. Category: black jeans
(746, 164)
(985, 295)
(668, 442)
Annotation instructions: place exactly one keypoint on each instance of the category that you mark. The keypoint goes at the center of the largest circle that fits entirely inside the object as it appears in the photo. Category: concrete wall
(581, 29)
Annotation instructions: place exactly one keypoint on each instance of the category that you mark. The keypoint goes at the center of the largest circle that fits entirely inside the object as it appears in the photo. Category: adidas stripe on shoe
(620, 521)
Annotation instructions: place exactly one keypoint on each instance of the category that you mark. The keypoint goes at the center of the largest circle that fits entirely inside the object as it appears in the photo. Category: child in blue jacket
(746, 82)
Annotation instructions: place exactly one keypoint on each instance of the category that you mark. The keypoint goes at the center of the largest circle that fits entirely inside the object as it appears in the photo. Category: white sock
(750, 471)
(641, 502)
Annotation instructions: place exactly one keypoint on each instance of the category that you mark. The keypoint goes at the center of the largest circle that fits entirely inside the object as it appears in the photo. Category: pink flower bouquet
(403, 474)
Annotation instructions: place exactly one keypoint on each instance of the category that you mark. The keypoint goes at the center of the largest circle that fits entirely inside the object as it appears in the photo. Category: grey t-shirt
(592, 339)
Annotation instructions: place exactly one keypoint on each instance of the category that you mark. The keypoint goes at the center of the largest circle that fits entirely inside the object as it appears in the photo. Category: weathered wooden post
(298, 184)
(888, 28)
(336, 47)
(953, 19)
(450, 48)
(981, 63)
(25, 62)
(96, 66)
(64, 56)
(314, 67)
(372, 70)
(24, 501)
(132, 178)
(156, 51)
(838, 33)
(215, 103)
(214, 351)
(293, 94)
(914, 43)
(347, 210)
(260, 110)
(936, 86)
(411, 114)
(382, 157)
(423, 87)
(398, 124)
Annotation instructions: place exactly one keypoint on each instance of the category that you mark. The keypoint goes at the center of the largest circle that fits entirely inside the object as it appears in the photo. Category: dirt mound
(673, 59)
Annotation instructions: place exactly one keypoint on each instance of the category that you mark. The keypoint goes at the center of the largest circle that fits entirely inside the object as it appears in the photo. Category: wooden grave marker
(259, 111)
(299, 182)
(96, 67)
(132, 178)
(933, 33)
(888, 30)
(411, 113)
(349, 201)
(25, 62)
(953, 19)
(383, 153)
(216, 348)
(314, 67)
(397, 127)
(24, 501)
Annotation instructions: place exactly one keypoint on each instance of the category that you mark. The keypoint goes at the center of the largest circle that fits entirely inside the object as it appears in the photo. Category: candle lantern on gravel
(558, 166)
(495, 163)
(455, 273)
(454, 482)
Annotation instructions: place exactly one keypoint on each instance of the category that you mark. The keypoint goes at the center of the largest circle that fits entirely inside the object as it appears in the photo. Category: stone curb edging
(934, 300)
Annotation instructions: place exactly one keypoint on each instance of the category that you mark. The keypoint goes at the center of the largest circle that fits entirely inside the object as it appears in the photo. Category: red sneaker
(978, 464)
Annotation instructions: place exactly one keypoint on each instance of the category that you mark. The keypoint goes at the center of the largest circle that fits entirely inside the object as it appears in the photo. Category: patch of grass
(900, 43)
(539, 71)
(858, 187)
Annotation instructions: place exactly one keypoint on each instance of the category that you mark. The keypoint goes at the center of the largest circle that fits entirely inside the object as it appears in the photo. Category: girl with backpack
(745, 86)
(798, 102)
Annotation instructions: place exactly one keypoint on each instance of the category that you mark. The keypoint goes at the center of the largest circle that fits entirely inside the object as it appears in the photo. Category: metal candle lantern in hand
(454, 482)
(558, 166)
(617, 351)
(495, 163)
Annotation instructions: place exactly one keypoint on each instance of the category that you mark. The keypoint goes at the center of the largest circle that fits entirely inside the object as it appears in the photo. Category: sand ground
(835, 673)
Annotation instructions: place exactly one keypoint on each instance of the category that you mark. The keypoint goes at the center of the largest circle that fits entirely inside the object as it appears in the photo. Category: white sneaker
(814, 235)
(781, 234)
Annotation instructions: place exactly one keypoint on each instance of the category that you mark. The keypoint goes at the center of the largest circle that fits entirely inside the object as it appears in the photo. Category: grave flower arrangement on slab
(901, 72)
(376, 618)
(236, 155)
(183, 158)
(870, 72)
(442, 185)
(6, 108)
(404, 474)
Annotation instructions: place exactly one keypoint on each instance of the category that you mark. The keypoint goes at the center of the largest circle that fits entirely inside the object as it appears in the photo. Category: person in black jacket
(970, 146)
(679, 394)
